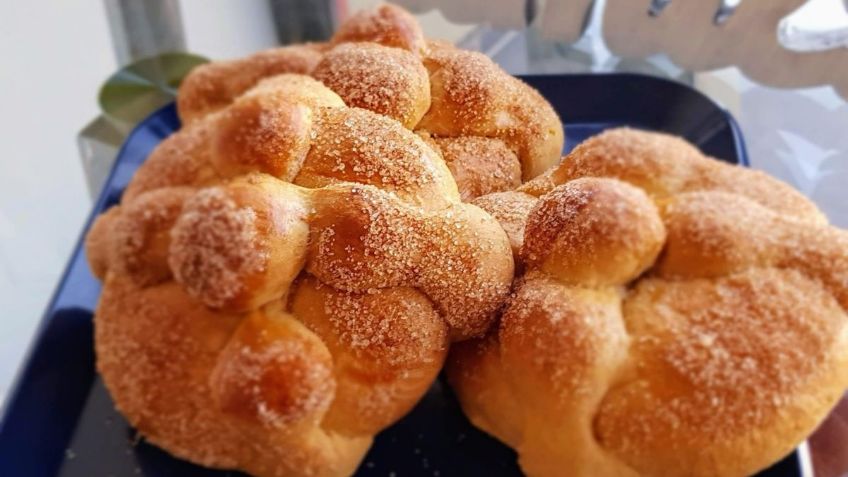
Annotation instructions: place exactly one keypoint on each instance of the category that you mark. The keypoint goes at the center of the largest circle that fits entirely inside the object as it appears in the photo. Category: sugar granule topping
(215, 247)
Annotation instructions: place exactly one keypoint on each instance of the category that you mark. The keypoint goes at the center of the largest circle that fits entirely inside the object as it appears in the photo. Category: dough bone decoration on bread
(493, 130)
(282, 280)
(675, 316)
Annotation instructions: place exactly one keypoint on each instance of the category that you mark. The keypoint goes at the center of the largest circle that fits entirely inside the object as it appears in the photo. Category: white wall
(227, 28)
(54, 54)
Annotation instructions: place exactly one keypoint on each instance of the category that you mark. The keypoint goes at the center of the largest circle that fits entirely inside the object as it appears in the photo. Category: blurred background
(59, 136)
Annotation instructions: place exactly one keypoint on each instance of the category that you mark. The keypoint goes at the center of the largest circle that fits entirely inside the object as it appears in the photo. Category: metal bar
(297, 21)
(143, 28)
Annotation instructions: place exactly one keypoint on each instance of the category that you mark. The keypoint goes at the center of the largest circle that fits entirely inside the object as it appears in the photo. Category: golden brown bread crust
(214, 85)
(235, 247)
(98, 242)
(718, 240)
(480, 165)
(387, 81)
(742, 368)
(355, 145)
(668, 321)
(386, 24)
(472, 96)
(156, 350)
(379, 60)
(593, 232)
(140, 238)
(182, 159)
(510, 209)
(250, 323)
(296, 129)
(225, 241)
(388, 346)
(267, 129)
(664, 165)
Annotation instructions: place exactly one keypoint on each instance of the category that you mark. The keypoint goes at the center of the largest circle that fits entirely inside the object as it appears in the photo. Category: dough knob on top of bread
(386, 24)
(290, 378)
(388, 81)
(593, 232)
(675, 316)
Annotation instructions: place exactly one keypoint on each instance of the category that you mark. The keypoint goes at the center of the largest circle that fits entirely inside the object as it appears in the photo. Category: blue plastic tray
(59, 418)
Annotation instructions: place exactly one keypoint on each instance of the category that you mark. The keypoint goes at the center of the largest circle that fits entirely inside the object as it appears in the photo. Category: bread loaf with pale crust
(282, 280)
(675, 316)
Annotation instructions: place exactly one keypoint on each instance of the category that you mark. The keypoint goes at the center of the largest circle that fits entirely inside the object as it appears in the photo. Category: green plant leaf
(140, 88)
